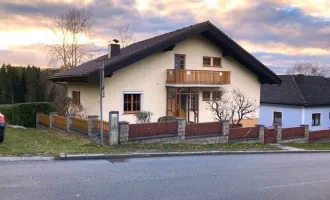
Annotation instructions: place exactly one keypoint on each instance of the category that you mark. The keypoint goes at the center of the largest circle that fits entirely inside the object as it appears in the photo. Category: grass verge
(45, 142)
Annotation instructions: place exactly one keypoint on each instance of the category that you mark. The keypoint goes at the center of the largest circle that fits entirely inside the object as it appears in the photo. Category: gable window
(206, 61)
(216, 95)
(180, 61)
(132, 103)
(206, 96)
(76, 97)
(316, 119)
(216, 62)
(277, 118)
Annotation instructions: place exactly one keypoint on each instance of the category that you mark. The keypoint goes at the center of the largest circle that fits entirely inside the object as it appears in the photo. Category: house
(174, 74)
(298, 100)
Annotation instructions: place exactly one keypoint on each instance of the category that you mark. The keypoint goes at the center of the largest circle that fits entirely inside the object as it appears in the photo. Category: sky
(278, 32)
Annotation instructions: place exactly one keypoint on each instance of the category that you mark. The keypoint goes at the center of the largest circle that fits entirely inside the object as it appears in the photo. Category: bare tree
(309, 68)
(126, 35)
(70, 29)
(235, 108)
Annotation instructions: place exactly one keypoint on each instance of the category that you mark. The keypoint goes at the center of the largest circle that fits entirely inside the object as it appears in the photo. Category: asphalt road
(280, 176)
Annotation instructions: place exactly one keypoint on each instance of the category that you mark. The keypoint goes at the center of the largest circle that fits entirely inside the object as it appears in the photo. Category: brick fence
(178, 131)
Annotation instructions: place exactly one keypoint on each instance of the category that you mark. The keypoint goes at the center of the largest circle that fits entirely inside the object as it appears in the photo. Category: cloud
(278, 32)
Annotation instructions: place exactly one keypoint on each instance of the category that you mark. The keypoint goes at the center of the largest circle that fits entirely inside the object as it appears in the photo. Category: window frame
(274, 117)
(206, 99)
(212, 97)
(213, 65)
(132, 101)
(184, 60)
(76, 98)
(313, 120)
(206, 65)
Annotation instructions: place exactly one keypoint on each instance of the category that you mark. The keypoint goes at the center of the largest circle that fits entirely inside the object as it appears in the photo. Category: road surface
(255, 177)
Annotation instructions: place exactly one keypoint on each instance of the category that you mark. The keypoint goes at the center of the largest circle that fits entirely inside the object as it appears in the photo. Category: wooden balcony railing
(185, 76)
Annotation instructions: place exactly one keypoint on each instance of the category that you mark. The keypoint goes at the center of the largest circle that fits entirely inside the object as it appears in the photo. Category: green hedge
(24, 114)
(166, 118)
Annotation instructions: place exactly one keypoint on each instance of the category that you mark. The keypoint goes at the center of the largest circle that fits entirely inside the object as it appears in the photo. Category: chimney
(300, 78)
(113, 49)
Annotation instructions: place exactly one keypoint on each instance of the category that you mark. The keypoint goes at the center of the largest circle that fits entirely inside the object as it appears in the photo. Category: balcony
(197, 77)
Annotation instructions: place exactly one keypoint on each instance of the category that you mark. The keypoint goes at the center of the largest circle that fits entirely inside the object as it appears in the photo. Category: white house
(173, 74)
(298, 100)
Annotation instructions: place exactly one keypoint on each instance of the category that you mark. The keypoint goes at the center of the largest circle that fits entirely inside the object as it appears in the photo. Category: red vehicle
(2, 127)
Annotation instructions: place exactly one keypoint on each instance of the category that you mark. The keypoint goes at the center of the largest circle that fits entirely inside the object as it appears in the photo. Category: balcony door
(179, 61)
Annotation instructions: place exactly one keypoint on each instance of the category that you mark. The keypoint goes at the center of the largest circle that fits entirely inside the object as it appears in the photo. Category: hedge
(24, 114)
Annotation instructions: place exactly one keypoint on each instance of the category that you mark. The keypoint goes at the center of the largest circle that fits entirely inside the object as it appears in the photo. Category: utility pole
(101, 99)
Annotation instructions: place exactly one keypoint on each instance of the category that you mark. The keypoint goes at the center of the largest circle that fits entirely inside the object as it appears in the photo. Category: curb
(68, 157)
(176, 154)
(27, 158)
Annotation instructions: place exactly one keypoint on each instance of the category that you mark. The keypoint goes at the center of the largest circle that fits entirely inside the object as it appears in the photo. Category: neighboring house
(173, 74)
(298, 100)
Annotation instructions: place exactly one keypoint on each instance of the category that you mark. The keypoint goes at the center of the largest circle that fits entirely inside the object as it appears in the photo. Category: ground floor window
(132, 103)
(277, 118)
(206, 96)
(76, 97)
(316, 119)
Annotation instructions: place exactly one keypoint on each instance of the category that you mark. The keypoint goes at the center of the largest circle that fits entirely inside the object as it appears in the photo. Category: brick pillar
(113, 127)
(306, 131)
(92, 136)
(181, 130)
(278, 130)
(123, 131)
(68, 121)
(37, 119)
(225, 127)
(261, 129)
(51, 119)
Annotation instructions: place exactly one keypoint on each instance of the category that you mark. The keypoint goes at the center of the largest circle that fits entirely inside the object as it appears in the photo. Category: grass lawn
(311, 146)
(46, 142)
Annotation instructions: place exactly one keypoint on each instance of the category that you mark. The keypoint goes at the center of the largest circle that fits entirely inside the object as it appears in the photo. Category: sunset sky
(277, 32)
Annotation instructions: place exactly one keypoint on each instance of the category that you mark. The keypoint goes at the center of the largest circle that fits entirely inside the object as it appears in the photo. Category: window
(216, 62)
(206, 95)
(76, 97)
(216, 95)
(206, 61)
(180, 61)
(193, 102)
(316, 119)
(132, 103)
(277, 118)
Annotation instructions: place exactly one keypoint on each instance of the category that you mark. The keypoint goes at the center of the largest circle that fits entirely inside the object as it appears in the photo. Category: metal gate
(270, 135)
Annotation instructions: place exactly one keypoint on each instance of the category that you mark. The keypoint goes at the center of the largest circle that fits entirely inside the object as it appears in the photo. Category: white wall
(148, 76)
(291, 115)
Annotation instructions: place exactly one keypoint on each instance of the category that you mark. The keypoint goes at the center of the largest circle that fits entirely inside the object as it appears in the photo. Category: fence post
(91, 135)
(37, 119)
(278, 130)
(225, 127)
(123, 131)
(68, 121)
(51, 119)
(113, 127)
(306, 131)
(261, 130)
(181, 129)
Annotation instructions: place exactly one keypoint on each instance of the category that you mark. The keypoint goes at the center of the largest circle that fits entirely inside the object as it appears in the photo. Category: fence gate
(270, 135)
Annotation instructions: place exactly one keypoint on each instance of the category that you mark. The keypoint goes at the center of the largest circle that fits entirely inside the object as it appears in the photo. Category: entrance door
(182, 106)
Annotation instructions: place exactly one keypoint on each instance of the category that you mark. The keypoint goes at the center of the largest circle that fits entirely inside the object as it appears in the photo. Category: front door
(182, 106)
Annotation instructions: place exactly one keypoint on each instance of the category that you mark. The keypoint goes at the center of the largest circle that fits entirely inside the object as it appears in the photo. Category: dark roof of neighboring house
(89, 71)
(299, 90)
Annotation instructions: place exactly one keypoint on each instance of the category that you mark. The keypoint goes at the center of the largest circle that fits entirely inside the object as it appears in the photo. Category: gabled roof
(137, 51)
(298, 90)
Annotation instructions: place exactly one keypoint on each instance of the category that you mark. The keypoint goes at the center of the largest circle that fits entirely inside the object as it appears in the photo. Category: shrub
(166, 118)
(25, 114)
(143, 116)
